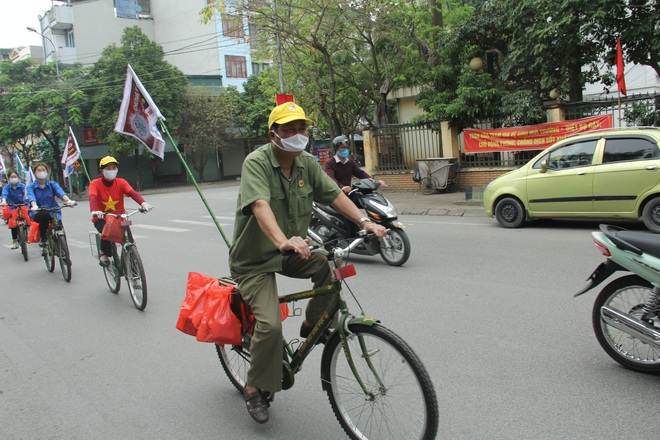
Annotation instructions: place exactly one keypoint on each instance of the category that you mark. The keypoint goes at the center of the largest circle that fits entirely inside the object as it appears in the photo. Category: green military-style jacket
(290, 200)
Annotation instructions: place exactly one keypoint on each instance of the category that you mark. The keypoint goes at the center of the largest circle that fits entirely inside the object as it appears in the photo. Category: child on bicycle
(106, 195)
(14, 194)
(42, 193)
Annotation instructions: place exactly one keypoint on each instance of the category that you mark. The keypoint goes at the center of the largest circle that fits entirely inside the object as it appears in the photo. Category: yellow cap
(287, 112)
(106, 160)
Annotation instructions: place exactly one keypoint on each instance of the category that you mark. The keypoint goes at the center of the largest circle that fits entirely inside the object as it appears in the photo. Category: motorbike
(328, 224)
(626, 313)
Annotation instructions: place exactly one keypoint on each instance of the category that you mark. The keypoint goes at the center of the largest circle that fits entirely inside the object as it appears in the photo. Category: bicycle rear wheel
(49, 256)
(22, 240)
(400, 402)
(235, 360)
(62, 249)
(135, 278)
(112, 272)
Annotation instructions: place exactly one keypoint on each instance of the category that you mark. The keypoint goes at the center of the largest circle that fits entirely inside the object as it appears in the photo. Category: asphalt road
(490, 312)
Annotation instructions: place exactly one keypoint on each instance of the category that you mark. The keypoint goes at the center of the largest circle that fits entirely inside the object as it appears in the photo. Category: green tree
(165, 83)
(36, 105)
(210, 123)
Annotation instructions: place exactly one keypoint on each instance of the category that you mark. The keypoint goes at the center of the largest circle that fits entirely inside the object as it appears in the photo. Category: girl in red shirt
(106, 194)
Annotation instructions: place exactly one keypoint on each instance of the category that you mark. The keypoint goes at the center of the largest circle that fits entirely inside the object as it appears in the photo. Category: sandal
(257, 406)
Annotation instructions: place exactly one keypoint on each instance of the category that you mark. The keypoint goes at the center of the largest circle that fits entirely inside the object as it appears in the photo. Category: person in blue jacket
(13, 193)
(41, 194)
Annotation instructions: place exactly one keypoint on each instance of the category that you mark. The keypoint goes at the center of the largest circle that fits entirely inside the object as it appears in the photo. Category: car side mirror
(544, 166)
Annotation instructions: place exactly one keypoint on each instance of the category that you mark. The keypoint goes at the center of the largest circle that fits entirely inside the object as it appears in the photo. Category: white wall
(188, 44)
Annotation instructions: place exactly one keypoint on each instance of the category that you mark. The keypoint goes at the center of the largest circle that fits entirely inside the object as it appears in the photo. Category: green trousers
(259, 291)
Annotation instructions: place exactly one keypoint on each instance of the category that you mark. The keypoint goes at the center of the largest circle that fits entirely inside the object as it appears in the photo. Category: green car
(604, 174)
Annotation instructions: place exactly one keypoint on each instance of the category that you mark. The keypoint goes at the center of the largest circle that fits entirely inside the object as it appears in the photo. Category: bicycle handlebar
(54, 209)
(125, 215)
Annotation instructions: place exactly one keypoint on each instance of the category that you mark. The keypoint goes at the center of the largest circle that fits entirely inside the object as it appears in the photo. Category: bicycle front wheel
(22, 240)
(399, 401)
(49, 256)
(135, 278)
(427, 185)
(64, 257)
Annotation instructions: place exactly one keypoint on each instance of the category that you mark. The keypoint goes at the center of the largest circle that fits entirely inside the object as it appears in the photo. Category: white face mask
(13, 180)
(110, 174)
(41, 175)
(294, 144)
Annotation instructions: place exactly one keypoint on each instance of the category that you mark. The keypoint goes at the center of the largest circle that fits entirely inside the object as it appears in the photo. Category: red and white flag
(138, 115)
(620, 80)
(3, 168)
(71, 154)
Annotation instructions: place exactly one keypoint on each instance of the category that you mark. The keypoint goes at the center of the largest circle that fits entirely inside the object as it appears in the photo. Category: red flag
(620, 80)
(282, 98)
(138, 115)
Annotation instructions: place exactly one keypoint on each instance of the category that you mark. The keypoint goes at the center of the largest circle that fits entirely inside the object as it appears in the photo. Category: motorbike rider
(341, 168)
(279, 182)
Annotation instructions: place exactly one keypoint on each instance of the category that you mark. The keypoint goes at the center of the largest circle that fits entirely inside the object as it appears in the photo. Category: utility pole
(279, 48)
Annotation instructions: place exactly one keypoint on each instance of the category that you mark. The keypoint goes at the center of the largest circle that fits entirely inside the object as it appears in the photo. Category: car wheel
(510, 213)
(651, 215)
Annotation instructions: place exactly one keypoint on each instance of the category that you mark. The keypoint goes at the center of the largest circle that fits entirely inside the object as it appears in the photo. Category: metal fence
(399, 146)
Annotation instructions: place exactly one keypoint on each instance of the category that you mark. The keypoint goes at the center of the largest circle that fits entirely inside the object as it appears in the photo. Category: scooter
(626, 314)
(328, 224)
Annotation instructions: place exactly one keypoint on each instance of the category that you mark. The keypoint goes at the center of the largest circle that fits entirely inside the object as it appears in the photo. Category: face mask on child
(110, 174)
(41, 175)
(13, 180)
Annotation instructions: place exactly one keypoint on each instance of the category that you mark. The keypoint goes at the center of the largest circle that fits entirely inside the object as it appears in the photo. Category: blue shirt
(14, 196)
(45, 197)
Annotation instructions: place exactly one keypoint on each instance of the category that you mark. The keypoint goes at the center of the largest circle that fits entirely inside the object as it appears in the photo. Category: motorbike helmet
(339, 141)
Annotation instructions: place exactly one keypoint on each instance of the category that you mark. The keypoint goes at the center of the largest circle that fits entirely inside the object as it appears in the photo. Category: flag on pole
(620, 80)
(29, 179)
(20, 169)
(71, 154)
(3, 168)
(138, 115)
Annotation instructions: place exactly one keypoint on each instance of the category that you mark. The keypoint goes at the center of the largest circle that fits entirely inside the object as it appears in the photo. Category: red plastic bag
(12, 217)
(112, 231)
(219, 324)
(6, 212)
(247, 317)
(34, 235)
(192, 306)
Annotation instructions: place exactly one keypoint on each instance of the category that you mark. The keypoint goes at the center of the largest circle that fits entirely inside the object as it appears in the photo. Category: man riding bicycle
(279, 182)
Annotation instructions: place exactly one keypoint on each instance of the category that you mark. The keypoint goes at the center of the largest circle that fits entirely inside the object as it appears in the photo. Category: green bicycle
(377, 386)
(126, 263)
(56, 245)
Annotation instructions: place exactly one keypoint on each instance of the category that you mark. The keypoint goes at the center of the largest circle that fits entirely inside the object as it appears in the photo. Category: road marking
(193, 222)
(160, 228)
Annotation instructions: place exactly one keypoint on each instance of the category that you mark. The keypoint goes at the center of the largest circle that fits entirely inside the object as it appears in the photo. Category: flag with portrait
(138, 115)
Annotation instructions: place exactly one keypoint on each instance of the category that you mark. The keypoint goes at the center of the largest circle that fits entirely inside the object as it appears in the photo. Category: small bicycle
(377, 386)
(22, 225)
(56, 245)
(127, 263)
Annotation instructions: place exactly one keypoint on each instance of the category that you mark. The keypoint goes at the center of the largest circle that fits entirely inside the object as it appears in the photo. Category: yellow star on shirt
(110, 204)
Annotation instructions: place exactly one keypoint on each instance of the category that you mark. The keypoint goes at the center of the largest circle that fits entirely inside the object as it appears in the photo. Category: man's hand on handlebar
(298, 245)
(378, 230)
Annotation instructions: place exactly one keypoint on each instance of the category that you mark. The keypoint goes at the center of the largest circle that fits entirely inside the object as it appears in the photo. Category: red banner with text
(530, 137)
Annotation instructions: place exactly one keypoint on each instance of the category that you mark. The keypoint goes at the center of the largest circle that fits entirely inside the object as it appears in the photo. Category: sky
(15, 16)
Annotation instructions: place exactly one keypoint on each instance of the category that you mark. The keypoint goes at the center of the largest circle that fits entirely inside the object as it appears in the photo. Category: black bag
(416, 176)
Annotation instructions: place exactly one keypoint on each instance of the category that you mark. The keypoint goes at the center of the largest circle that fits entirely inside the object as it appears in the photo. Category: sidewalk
(448, 204)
